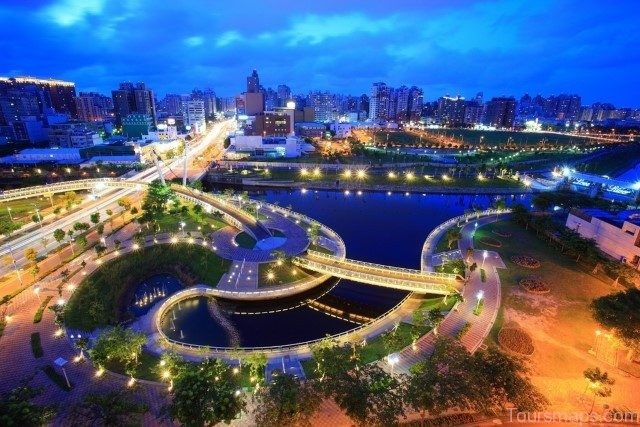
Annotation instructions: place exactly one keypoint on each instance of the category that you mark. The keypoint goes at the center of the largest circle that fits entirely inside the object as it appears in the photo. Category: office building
(135, 125)
(284, 95)
(72, 135)
(253, 83)
(379, 102)
(272, 123)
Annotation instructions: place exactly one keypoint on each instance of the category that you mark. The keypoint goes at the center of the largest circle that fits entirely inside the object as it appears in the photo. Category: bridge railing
(374, 279)
(384, 269)
(229, 351)
(435, 234)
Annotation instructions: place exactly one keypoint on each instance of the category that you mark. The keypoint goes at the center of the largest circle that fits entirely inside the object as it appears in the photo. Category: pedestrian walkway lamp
(36, 290)
(485, 254)
(393, 360)
(10, 216)
(479, 296)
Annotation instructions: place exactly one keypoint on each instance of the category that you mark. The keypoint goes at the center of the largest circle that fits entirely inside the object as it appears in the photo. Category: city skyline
(498, 47)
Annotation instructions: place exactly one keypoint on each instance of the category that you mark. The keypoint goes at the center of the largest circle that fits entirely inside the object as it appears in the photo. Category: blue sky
(444, 46)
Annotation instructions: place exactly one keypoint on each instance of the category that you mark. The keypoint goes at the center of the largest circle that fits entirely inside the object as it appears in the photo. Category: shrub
(38, 316)
(36, 345)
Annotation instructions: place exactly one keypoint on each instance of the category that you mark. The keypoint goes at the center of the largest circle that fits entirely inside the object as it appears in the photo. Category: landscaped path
(463, 313)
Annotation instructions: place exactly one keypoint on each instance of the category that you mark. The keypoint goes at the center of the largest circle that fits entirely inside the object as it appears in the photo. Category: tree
(366, 393)
(124, 203)
(95, 217)
(599, 383)
(256, 363)
(31, 255)
(100, 250)
(504, 381)
(134, 211)
(81, 241)
(443, 380)
(118, 344)
(113, 408)
(100, 229)
(59, 235)
(109, 213)
(155, 201)
(45, 242)
(435, 318)
(205, 394)
(452, 235)
(70, 198)
(520, 214)
(7, 227)
(620, 311)
(16, 408)
(286, 401)
(34, 270)
(313, 232)
(280, 257)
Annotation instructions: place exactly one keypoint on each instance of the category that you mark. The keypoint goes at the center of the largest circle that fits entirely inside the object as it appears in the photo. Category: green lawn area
(281, 274)
(244, 240)
(102, 297)
(321, 249)
(437, 302)
(150, 362)
(441, 246)
(23, 209)
(171, 222)
(455, 266)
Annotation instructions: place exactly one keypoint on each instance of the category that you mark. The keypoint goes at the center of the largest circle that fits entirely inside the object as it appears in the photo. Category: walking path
(462, 314)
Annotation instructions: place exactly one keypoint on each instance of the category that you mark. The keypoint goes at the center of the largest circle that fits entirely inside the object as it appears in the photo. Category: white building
(36, 155)
(163, 132)
(618, 235)
(193, 114)
(341, 130)
(268, 146)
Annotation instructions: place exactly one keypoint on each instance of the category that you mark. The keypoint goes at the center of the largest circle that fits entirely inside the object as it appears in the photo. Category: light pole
(10, 216)
(479, 296)
(393, 360)
(182, 224)
(38, 214)
(36, 290)
(485, 254)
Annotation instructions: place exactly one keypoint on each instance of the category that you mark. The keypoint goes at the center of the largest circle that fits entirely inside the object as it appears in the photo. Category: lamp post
(479, 296)
(393, 360)
(38, 214)
(485, 254)
(36, 290)
(10, 216)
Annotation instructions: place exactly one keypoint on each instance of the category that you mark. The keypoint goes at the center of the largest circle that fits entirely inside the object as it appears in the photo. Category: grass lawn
(146, 370)
(23, 209)
(282, 274)
(437, 302)
(244, 240)
(560, 322)
(442, 246)
(102, 297)
(614, 162)
(321, 249)
(170, 223)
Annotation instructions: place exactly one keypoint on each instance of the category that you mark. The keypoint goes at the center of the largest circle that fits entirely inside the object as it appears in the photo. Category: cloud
(194, 41)
(228, 37)
(70, 12)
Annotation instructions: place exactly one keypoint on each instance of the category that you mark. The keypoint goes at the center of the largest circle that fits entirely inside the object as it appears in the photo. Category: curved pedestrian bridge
(426, 282)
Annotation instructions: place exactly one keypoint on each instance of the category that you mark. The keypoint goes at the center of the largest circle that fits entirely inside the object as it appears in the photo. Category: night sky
(590, 47)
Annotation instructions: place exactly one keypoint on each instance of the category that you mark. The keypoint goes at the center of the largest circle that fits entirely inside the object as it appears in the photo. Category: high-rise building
(193, 114)
(92, 106)
(415, 103)
(208, 96)
(379, 101)
(130, 99)
(253, 83)
(61, 94)
(270, 99)
(500, 112)
(284, 95)
(450, 110)
(172, 104)
(402, 103)
(323, 104)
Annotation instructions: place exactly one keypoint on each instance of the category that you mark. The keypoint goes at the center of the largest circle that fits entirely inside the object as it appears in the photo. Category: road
(109, 199)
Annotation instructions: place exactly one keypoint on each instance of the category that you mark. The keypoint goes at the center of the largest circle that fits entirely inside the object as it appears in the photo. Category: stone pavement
(463, 312)
(242, 277)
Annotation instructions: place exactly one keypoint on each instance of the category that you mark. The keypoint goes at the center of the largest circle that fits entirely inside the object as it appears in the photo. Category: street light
(10, 216)
(479, 296)
(485, 254)
(393, 360)
(38, 214)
